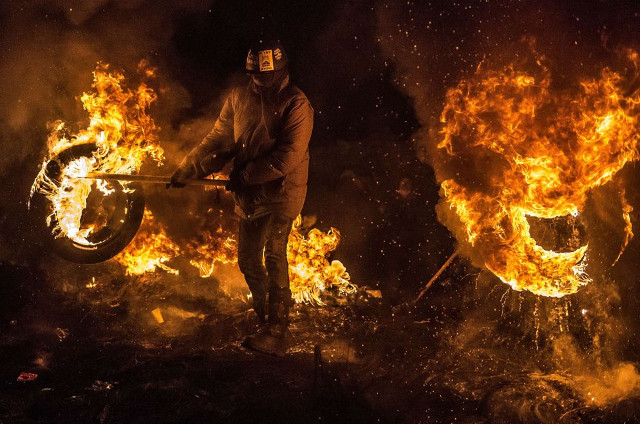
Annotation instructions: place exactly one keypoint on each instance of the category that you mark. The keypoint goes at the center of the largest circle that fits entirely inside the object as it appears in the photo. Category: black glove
(235, 182)
(183, 173)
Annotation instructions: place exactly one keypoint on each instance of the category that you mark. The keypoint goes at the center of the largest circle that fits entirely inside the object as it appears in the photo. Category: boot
(272, 338)
(260, 308)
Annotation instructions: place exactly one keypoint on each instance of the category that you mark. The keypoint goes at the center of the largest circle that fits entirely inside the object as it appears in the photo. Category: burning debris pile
(120, 137)
(531, 151)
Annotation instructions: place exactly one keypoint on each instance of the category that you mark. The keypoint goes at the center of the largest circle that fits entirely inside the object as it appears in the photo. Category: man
(265, 128)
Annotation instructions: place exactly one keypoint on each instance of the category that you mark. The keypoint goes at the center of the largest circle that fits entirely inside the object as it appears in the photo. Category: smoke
(44, 70)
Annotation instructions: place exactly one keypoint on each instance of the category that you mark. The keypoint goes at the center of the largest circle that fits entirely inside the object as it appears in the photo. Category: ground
(353, 361)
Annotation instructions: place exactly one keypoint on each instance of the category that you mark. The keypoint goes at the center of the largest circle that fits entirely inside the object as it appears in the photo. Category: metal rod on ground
(152, 179)
(437, 274)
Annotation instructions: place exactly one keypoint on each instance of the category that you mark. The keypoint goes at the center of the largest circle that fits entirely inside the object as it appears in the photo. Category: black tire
(111, 239)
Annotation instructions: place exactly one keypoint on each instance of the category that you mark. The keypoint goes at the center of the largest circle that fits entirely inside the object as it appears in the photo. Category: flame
(149, 250)
(310, 272)
(124, 135)
(214, 248)
(548, 149)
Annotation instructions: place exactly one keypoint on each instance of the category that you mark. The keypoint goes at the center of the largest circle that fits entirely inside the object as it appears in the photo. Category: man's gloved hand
(235, 182)
(184, 172)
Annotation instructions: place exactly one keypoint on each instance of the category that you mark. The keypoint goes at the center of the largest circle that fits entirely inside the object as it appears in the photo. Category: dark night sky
(375, 72)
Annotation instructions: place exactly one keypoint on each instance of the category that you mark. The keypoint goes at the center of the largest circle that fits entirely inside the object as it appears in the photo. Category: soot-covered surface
(103, 358)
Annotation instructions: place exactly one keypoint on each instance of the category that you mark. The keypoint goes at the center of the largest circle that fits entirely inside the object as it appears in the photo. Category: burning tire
(113, 218)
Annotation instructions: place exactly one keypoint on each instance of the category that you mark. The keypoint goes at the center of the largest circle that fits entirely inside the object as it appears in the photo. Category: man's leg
(275, 258)
(272, 339)
(251, 241)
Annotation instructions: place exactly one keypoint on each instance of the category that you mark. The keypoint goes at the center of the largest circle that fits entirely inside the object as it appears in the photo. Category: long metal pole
(152, 179)
(437, 274)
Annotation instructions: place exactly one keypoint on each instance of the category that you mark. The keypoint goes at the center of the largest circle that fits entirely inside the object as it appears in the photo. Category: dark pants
(267, 235)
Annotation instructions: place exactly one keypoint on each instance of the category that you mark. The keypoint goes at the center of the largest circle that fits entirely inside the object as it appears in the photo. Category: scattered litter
(101, 386)
(157, 314)
(47, 389)
(27, 376)
(62, 333)
(374, 293)
(173, 311)
(42, 359)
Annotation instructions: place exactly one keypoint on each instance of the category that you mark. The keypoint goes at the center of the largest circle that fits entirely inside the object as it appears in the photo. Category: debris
(374, 293)
(157, 314)
(27, 376)
(101, 386)
(436, 275)
(92, 284)
(62, 333)
(405, 188)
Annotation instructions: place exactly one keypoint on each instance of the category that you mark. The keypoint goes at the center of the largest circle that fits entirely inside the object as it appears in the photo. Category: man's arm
(289, 150)
(218, 141)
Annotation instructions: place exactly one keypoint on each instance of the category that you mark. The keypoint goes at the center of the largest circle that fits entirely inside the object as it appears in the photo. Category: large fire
(125, 136)
(538, 152)
(310, 272)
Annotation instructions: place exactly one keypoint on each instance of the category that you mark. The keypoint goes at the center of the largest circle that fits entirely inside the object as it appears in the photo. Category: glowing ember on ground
(539, 151)
(124, 136)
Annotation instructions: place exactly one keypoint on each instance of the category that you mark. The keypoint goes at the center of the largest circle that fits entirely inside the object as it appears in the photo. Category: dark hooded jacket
(267, 132)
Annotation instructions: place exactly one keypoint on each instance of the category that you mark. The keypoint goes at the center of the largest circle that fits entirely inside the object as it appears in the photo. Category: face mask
(269, 79)
(264, 79)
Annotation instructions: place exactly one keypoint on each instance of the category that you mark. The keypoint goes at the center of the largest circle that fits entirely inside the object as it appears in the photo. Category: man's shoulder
(294, 95)
(293, 90)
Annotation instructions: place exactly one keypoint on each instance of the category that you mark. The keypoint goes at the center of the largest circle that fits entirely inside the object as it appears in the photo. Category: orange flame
(149, 250)
(547, 150)
(214, 248)
(310, 272)
(124, 135)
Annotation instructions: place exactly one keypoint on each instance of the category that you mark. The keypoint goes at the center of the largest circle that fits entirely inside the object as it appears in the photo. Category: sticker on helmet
(278, 54)
(266, 60)
(252, 61)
